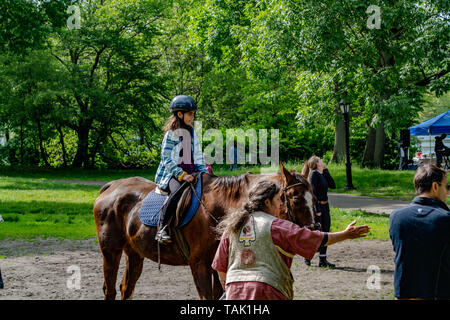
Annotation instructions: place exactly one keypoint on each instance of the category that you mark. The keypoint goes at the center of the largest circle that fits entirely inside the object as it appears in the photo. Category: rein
(201, 202)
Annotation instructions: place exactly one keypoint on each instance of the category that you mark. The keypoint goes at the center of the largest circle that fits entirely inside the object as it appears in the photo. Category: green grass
(35, 207)
(379, 224)
(78, 174)
(39, 208)
(389, 184)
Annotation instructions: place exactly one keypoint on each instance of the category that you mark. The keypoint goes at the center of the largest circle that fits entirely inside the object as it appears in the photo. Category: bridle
(317, 225)
(287, 203)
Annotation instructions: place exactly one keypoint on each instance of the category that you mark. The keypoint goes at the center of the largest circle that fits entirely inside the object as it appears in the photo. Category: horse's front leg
(202, 273)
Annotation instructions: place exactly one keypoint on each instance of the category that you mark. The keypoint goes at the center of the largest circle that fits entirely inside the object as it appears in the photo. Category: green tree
(111, 71)
(434, 106)
(102, 80)
(382, 72)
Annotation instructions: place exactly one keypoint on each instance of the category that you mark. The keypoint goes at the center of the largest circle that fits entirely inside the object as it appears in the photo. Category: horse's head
(298, 198)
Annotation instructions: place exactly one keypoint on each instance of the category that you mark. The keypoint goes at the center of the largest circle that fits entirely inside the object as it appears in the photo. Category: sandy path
(38, 270)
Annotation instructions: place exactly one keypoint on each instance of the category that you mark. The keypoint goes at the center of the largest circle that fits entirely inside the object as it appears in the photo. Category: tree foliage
(97, 96)
(335, 53)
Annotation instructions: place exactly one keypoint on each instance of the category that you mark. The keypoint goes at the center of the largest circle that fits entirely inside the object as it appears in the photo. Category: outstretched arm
(351, 232)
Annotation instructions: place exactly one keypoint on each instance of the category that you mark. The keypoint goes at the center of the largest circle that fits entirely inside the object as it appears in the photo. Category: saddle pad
(151, 207)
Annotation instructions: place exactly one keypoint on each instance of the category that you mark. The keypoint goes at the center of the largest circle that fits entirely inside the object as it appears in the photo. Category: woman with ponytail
(256, 250)
(316, 172)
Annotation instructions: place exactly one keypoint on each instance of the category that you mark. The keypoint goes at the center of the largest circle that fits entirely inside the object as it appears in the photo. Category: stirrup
(163, 237)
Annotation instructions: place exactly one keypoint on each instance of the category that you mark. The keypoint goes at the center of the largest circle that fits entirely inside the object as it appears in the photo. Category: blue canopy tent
(433, 127)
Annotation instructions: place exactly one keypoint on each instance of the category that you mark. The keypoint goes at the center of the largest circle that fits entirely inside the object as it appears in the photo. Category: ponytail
(235, 219)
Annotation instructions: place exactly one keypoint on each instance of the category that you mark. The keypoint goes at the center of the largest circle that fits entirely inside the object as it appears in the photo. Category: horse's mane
(232, 186)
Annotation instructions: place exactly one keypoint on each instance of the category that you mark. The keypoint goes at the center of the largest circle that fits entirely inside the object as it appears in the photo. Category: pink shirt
(289, 237)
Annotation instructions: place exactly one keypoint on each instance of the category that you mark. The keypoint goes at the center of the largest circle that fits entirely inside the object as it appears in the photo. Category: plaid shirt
(170, 154)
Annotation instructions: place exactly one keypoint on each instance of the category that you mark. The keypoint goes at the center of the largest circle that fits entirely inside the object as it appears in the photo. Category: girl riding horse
(181, 155)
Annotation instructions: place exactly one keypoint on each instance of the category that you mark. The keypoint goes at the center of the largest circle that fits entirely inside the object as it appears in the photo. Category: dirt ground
(43, 269)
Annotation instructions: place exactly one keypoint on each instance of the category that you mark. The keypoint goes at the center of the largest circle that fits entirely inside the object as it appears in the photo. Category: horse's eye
(282, 197)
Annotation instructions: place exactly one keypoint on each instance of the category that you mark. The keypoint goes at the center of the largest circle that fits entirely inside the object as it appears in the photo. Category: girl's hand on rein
(188, 178)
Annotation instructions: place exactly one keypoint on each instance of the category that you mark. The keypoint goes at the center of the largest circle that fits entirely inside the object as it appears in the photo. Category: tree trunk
(21, 143)
(369, 150)
(41, 144)
(63, 145)
(339, 142)
(81, 156)
(378, 157)
(141, 135)
(100, 138)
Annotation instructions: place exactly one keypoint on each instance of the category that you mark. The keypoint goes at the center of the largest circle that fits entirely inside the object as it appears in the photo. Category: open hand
(354, 232)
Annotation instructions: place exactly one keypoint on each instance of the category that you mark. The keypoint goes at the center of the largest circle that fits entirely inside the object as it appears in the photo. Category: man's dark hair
(425, 176)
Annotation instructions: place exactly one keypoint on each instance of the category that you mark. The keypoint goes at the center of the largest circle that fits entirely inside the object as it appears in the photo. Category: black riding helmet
(183, 103)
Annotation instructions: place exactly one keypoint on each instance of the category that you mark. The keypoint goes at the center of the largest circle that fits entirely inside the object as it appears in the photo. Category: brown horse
(119, 229)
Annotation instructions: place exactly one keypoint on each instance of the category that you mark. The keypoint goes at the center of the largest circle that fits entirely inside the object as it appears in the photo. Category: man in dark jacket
(420, 235)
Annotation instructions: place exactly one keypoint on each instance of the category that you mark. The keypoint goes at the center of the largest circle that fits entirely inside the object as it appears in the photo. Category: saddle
(182, 202)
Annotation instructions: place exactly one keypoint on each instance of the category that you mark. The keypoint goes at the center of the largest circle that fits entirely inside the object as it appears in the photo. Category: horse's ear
(287, 176)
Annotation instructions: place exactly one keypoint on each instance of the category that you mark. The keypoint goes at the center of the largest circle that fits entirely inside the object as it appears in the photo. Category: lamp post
(345, 107)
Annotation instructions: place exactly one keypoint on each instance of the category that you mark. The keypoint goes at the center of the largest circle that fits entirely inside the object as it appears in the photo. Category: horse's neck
(233, 198)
